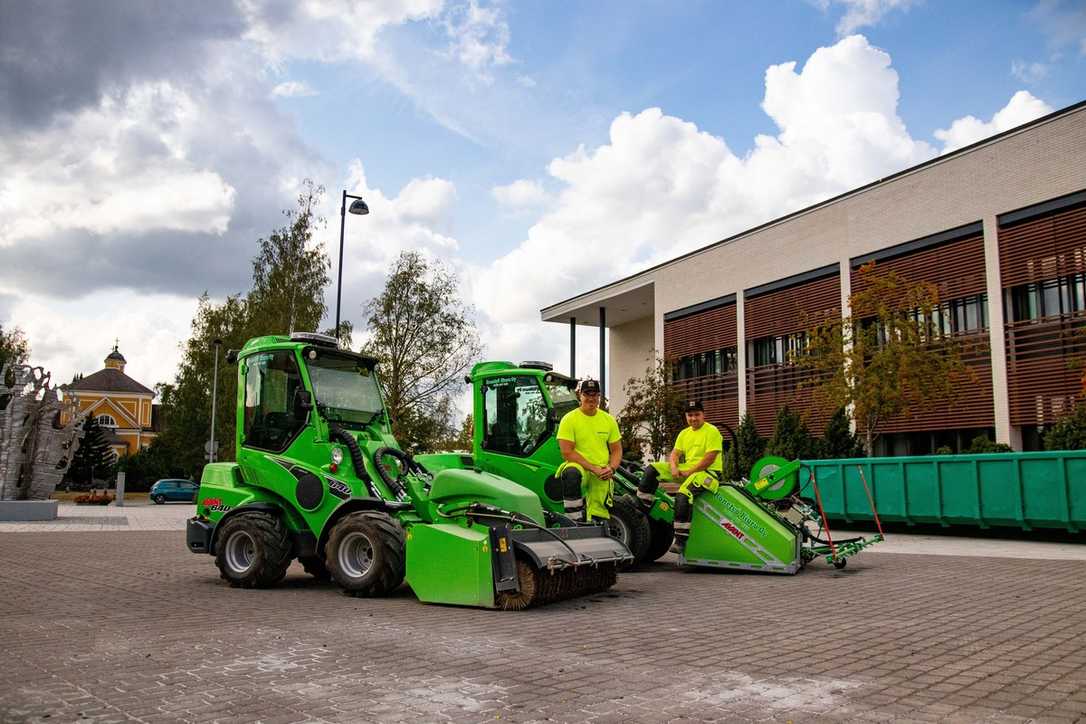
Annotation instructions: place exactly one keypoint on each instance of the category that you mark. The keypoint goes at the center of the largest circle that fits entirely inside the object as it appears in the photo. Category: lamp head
(358, 207)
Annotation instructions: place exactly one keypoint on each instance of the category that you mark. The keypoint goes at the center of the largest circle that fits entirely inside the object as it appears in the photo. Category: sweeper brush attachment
(540, 587)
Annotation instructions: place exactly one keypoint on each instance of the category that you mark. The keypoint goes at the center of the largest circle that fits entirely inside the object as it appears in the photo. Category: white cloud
(149, 328)
(1029, 72)
(1063, 21)
(293, 89)
(863, 13)
(1022, 108)
(519, 194)
(124, 165)
(479, 36)
(328, 30)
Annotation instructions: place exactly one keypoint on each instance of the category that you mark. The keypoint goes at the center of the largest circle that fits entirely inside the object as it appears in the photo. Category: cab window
(516, 420)
(273, 414)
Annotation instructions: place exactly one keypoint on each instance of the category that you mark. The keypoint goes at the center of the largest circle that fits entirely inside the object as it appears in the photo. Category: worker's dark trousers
(683, 513)
(571, 492)
(646, 489)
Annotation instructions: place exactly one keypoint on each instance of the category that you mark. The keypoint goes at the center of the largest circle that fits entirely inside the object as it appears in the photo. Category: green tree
(287, 294)
(839, 441)
(653, 414)
(425, 338)
(791, 439)
(152, 463)
(14, 349)
(94, 460)
(748, 448)
(888, 358)
(1069, 433)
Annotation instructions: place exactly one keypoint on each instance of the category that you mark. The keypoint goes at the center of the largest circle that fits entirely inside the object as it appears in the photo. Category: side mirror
(231, 356)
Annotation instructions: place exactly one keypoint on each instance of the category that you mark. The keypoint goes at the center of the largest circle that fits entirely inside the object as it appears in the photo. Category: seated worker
(701, 448)
(591, 448)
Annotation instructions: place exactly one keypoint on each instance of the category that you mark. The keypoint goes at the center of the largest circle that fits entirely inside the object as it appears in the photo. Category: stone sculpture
(39, 434)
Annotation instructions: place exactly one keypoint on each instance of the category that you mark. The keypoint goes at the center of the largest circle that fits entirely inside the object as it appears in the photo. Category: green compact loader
(319, 477)
(515, 412)
(764, 524)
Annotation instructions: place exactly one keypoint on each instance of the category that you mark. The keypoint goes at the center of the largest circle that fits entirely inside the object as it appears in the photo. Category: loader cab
(274, 411)
(520, 411)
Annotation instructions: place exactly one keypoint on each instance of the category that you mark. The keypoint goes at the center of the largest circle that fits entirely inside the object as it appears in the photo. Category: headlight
(337, 456)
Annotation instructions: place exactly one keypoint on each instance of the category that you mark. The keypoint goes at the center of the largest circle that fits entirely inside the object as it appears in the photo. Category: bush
(95, 497)
(838, 441)
(984, 444)
(1068, 433)
(749, 446)
(791, 440)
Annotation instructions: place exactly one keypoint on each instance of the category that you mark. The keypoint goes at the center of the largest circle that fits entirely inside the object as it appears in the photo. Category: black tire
(663, 535)
(629, 525)
(365, 554)
(252, 550)
(314, 566)
(159, 499)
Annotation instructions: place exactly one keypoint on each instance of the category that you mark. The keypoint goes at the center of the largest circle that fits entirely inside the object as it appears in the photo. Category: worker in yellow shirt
(696, 463)
(591, 447)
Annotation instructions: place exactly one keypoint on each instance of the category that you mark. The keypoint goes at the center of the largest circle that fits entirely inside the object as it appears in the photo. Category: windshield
(345, 388)
(562, 398)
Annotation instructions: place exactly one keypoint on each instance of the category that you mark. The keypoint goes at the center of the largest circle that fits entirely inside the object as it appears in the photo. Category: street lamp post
(214, 400)
(359, 208)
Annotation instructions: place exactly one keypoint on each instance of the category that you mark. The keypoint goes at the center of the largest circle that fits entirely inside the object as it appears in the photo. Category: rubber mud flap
(198, 535)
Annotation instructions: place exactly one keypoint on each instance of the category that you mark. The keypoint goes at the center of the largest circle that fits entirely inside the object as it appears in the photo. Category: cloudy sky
(539, 148)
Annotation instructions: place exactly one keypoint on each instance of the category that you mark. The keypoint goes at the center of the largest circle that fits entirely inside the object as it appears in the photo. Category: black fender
(262, 506)
(353, 506)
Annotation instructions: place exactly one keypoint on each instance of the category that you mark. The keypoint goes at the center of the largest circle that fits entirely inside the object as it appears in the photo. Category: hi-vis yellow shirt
(694, 444)
(590, 434)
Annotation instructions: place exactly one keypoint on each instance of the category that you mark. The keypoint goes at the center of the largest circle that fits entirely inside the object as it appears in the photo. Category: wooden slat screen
(1048, 247)
(703, 332)
(787, 311)
(700, 332)
(794, 309)
(957, 270)
(1046, 360)
(1045, 357)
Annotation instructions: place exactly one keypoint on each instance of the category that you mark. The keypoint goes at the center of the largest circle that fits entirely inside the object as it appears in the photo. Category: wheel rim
(240, 552)
(355, 555)
(618, 529)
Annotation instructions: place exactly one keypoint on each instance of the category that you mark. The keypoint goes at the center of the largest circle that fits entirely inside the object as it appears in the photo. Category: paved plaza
(117, 621)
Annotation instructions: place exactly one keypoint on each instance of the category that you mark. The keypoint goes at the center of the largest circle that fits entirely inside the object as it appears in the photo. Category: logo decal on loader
(730, 527)
(215, 505)
(339, 488)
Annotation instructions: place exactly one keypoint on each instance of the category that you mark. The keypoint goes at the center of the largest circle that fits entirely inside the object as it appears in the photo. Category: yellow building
(122, 406)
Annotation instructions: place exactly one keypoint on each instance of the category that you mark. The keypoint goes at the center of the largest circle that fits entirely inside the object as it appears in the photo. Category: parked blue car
(171, 489)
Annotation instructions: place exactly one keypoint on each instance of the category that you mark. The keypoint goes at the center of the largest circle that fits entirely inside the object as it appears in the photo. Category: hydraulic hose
(514, 518)
(338, 433)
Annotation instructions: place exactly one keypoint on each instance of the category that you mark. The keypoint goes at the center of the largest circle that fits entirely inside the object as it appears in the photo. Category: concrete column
(741, 349)
(573, 347)
(846, 309)
(603, 349)
(1004, 432)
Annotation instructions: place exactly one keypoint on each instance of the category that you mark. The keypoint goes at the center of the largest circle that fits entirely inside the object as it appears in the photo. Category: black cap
(693, 406)
(591, 387)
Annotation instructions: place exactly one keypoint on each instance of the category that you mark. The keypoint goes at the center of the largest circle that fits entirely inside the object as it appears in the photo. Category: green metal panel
(1023, 490)
(448, 563)
(730, 530)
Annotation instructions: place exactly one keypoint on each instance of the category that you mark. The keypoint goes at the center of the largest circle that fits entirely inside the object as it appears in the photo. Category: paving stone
(144, 630)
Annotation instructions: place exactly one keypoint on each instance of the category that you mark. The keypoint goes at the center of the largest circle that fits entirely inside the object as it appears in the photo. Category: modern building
(122, 406)
(999, 227)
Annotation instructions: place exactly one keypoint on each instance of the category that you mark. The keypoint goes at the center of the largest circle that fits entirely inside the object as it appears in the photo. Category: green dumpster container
(1022, 490)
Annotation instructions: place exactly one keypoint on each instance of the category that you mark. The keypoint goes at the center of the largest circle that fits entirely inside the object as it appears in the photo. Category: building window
(1050, 298)
(715, 362)
(106, 421)
(764, 351)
